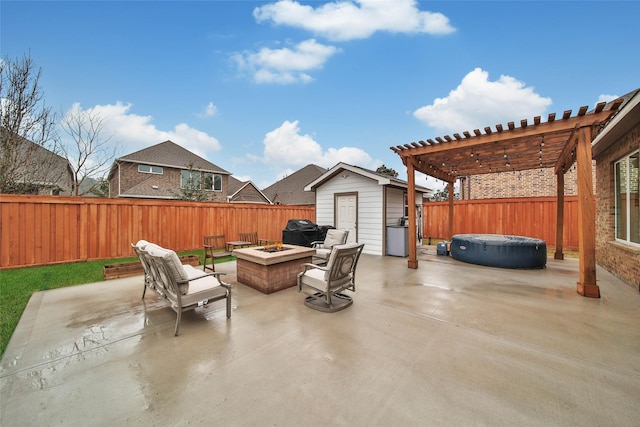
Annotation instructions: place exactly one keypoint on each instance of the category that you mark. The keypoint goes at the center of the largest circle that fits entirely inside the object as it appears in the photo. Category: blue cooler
(443, 248)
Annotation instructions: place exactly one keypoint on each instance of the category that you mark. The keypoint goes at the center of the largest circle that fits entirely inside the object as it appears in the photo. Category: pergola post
(450, 211)
(586, 217)
(411, 202)
(559, 215)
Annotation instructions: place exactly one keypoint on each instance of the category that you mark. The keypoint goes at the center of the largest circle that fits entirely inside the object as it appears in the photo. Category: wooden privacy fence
(531, 216)
(37, 230)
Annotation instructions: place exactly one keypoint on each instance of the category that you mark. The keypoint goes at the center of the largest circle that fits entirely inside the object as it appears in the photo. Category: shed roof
(381, 178)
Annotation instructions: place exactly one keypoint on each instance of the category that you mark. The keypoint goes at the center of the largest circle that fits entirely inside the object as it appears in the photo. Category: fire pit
(269, 270)
(276, 247)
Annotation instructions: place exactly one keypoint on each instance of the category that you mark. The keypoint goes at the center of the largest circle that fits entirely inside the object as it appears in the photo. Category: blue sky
(263, 88)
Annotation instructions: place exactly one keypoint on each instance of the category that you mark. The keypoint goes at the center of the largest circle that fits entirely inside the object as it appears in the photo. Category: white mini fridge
(397, 240)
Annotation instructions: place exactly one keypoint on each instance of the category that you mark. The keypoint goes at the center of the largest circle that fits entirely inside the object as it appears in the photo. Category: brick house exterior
(156, 172)
(37, 169)
(528, 183)
(619, 141)
(245, 192)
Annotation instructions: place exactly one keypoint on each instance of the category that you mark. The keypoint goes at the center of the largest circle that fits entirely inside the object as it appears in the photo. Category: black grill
(302, 232)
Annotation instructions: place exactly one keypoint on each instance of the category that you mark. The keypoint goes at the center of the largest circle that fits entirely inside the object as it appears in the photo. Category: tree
(387, 171)
(191, 188)
(89, 152)
(28, 143)
(443, 195)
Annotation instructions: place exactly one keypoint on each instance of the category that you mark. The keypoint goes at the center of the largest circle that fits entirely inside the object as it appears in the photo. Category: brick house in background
(162, 171)
(245, 192)
(527, 183)
(36, 169)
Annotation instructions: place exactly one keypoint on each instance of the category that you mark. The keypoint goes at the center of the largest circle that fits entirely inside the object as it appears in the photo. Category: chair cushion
(175, 267)
(314, 277)
(193, 272)
(142, 244)
(206, 288)
(334, 237)
(323, 253)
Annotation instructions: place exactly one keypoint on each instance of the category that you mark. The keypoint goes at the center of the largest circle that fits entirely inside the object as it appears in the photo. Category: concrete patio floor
(446, 344)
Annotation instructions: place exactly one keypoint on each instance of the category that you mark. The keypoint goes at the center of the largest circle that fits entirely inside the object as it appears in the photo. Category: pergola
(557, 143)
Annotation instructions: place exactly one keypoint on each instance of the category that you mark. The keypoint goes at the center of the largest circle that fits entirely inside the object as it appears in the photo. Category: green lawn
(17, 285)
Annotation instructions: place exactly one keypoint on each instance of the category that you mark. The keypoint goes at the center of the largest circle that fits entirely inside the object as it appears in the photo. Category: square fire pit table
(268, 271)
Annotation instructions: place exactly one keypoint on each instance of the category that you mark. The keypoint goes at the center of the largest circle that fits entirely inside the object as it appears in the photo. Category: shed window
(627, 207)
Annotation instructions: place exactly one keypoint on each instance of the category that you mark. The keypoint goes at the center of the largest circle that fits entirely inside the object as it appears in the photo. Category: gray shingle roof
(170, 154)
(290, 190)
(237, 192)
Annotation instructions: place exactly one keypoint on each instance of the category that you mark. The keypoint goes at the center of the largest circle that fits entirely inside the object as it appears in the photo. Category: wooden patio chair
(214, 247)
(250, 237)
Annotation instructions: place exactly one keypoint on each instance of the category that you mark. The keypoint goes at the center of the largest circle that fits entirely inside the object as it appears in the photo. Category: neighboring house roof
(39, 166)
(290, 190)
(171, 155)
(240, 191)
(625, 119)
(381, 178)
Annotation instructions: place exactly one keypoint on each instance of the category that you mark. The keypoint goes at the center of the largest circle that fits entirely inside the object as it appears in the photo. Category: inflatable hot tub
(497, 250)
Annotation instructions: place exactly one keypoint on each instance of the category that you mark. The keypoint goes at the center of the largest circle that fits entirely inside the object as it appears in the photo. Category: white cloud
(209, 111)
(285, 65)
(137, 132)
(478, 102)
(607, 98)
(287, 150)
(347, 20)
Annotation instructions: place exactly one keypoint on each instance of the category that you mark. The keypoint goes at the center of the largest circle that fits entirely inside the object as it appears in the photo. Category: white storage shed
(371, 206)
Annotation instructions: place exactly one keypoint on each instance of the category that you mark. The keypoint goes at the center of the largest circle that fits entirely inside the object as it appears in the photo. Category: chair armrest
(308, 266)
(215, 274)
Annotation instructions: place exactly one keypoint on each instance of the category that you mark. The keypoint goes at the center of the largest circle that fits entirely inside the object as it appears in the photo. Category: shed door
(347, 215)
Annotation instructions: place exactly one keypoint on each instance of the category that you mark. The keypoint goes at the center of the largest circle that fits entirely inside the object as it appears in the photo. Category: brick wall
(165, 185)
(620, 259)
(529, 183)
(249, 194)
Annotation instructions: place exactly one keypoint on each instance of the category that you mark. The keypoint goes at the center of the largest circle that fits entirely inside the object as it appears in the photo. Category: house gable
(155, 172)
(245, 192)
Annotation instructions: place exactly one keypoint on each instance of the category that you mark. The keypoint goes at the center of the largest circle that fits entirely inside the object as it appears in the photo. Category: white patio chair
(327, 283)
(184, 286)
(323, 248)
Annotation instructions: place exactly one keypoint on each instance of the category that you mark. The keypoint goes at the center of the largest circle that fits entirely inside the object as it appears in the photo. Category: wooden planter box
(134, 268)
